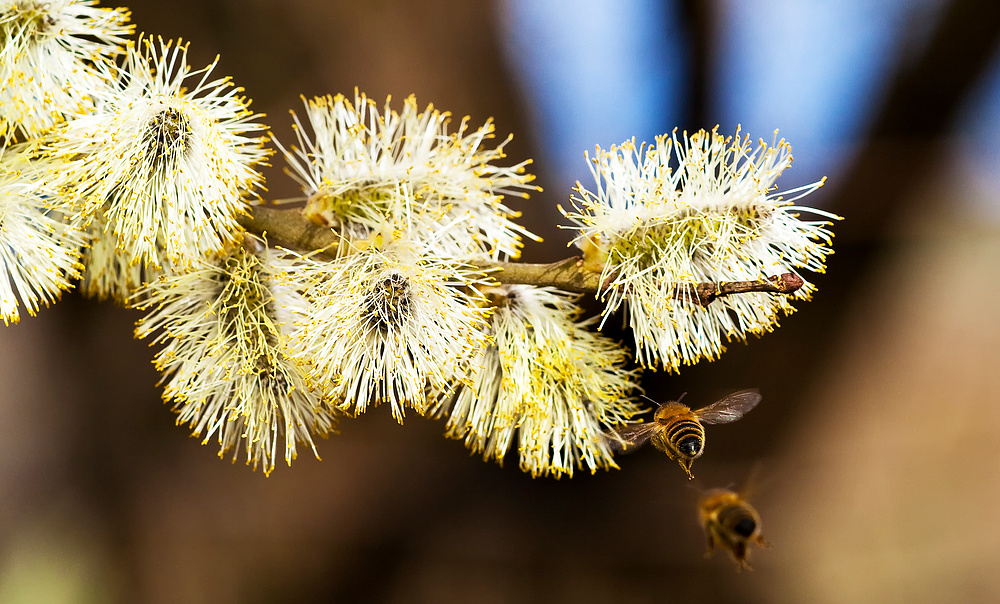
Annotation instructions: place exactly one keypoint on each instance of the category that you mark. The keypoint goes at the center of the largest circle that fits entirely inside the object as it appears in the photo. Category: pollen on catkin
(107, 272)
(40, 236)
(389, 323)
(168, 155)
(362, 166)
(225, 327)
(692, 209)
(547, 382)
(52, 57)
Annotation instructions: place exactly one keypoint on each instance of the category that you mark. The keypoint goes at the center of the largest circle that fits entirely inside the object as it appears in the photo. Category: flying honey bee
(678, 431)
(730, 523)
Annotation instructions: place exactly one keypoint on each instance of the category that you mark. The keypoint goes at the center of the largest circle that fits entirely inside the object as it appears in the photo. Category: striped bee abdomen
(686, 437)
(738, 519)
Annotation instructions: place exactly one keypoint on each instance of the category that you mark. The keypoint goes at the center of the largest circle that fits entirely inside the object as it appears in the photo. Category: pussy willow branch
(292, 229)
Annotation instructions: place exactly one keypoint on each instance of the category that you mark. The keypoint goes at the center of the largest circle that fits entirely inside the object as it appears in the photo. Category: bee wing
(730, 408)
(629, 436)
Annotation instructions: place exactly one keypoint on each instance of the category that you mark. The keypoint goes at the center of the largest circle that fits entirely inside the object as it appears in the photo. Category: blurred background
(877, 439)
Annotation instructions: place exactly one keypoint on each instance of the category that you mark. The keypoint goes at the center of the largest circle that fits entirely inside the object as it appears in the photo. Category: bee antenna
(649, 399)
(681, 397)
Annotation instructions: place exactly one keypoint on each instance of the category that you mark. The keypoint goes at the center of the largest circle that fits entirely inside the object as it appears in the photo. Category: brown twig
(567, 275)
(289, 228)
(292, 229)
(704, 294)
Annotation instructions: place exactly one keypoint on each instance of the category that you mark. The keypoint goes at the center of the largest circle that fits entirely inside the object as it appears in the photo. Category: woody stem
(292, 229)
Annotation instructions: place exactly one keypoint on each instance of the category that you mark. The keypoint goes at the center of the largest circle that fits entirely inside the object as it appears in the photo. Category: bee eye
(689, 446)
(745, 527)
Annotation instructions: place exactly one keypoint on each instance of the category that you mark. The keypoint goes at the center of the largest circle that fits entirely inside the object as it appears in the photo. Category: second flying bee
(678, 431)
(730, 522)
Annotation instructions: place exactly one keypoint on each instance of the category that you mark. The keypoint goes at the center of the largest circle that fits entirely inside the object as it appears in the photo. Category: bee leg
(711, 544)
(739, 552)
